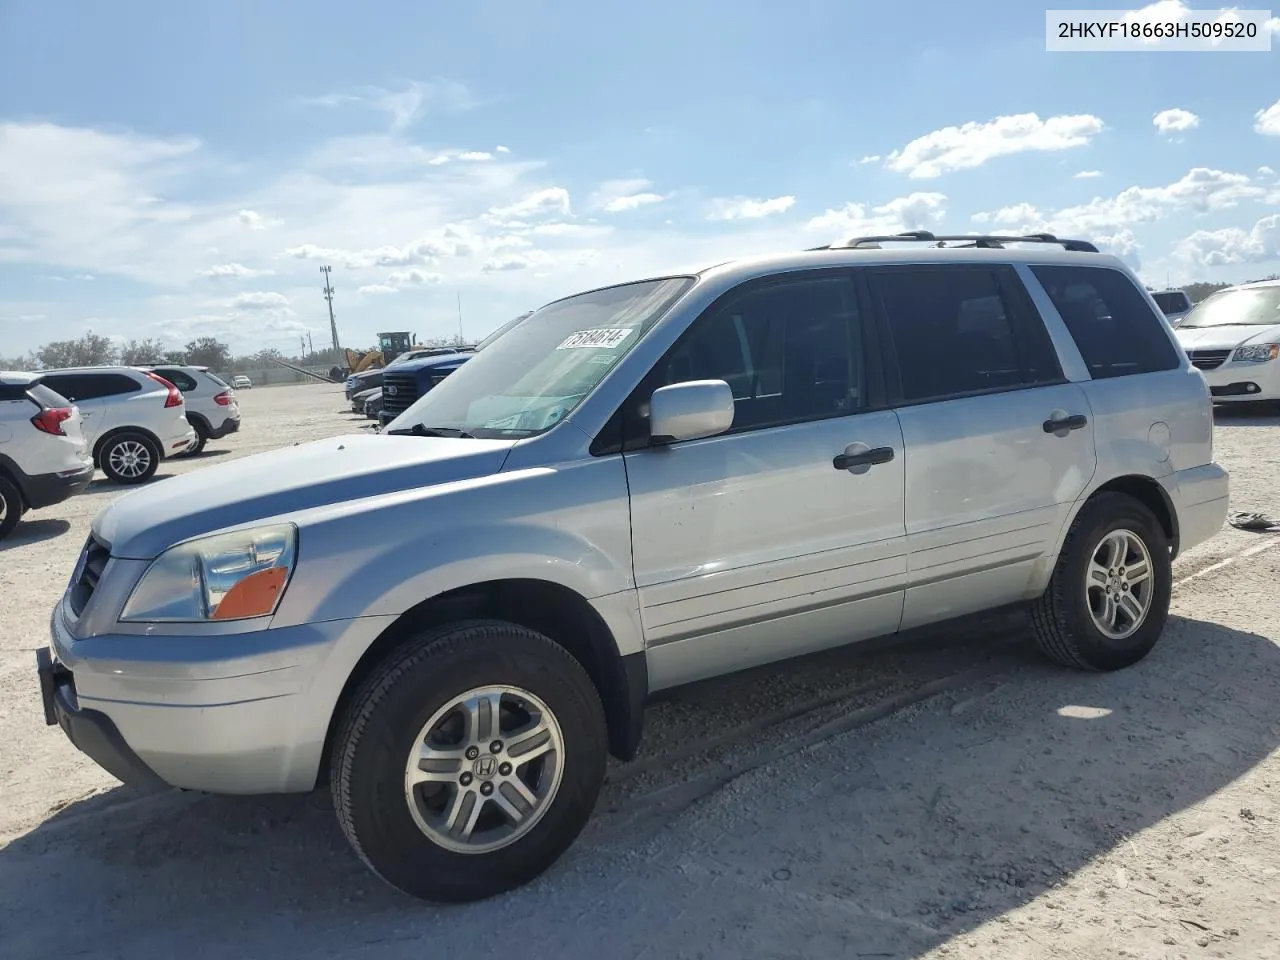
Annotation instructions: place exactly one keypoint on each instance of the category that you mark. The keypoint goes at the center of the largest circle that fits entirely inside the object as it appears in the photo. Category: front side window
(791, 351)
(1110, 320)
(533, 376)
(1248, 307)
(954, 333)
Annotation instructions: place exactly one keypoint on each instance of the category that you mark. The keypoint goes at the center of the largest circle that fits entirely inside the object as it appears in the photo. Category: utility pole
(303, 341)
(311, 344)
(460, 317)
(328, 295)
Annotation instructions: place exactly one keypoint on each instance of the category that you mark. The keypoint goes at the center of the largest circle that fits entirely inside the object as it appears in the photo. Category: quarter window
(1112, 323)
(954, 331)
(183, 381)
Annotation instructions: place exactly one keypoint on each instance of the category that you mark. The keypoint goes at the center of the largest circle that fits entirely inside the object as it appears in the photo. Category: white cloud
(234, 270)
(1201, 190)
(501, 149)
(259, 300)
(548, 202)
(1232, 245)
(1267, 120)
(1273, 26)
(870, 158)
(745, 208)
(475, 155)
(377, 288)
(1087, 174)
(1175, 120)
(252, 219)
(406, 105)
(973, 144)
(618, 196)
(413, 278)
(1266, 172)
(912, 212)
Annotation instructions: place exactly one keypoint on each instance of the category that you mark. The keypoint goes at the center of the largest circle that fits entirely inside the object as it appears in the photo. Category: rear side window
(183, 381)
(1172, 302)
(1110, 320)
(91, 386)
(216, 379)
(43, 395)
(962, 330)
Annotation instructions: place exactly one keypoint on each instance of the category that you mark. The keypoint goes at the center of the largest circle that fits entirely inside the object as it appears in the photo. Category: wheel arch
(558, 612)
(1152, 494)
(115, 432)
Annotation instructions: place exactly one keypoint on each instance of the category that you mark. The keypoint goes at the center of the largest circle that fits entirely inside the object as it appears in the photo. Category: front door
(784, 535)
(998, 445)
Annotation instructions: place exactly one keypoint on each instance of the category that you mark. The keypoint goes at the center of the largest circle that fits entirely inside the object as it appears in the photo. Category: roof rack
(983, 242)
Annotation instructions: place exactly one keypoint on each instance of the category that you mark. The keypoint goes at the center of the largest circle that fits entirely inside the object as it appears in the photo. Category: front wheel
(469, 761)
(1108, 598)
(129, 458)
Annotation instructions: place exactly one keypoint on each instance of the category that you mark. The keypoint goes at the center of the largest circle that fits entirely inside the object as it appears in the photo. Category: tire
(123, 454)
(202, 438)
(1063, 618)
(11, 506)
(387, 723)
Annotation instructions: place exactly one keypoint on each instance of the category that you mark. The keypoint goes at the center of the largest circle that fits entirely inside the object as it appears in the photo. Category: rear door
(784, 535)
(998, 444)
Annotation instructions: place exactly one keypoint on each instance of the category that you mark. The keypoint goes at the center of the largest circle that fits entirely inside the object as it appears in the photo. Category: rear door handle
(1075, 422)
(867, 458)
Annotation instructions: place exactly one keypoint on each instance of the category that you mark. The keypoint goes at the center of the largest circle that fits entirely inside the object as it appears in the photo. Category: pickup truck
(404, 383)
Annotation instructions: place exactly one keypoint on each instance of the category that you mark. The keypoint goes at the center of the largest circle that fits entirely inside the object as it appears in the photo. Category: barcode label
(607, 337)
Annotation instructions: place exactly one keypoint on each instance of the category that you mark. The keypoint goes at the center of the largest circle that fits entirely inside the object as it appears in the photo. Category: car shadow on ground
(34, 531)
(1247, 414)
(896, 838)
(205, 454)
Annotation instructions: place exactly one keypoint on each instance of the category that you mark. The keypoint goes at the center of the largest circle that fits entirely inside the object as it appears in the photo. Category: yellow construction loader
(390, 346)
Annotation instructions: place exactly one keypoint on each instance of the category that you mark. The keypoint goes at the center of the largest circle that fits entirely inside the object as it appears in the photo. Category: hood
(142, 524)
(1226, 336)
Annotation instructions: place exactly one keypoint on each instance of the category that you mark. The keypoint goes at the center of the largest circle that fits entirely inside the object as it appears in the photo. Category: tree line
(94, 350)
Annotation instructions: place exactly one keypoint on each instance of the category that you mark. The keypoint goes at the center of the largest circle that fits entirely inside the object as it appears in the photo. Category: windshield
(1171, 302)
(1257, 306)
(538, 371)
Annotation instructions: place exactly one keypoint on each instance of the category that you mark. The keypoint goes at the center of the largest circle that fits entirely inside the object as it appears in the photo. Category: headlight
(1257, 353)
(230, 576)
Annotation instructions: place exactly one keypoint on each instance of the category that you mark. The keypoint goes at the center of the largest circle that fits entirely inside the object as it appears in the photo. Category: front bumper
(1235, 382)
(228, 713)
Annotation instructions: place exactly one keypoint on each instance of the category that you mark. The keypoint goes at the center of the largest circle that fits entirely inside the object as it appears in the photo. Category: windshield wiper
(418, 430)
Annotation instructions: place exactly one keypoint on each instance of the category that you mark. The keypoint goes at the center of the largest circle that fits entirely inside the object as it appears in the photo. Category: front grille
(1208, 359)
(399, 391)
(93, 560)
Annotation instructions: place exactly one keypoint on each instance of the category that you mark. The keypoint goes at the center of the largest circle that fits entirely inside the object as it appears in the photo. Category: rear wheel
(469, 761)
(202, 437)
(11, 506)
(1108, 599)
(129, 458)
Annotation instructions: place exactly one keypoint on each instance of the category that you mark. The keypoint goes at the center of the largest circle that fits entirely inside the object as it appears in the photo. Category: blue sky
(176, 169)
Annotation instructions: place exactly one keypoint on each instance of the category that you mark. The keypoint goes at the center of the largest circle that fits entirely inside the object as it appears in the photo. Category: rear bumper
(1200, 496)
(229, 426)
(47, 489)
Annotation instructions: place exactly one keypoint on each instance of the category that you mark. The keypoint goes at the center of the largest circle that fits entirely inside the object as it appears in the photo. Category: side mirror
(690, 411)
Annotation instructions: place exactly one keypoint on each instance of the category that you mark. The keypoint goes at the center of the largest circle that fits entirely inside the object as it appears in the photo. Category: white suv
(212, 410)
(132, 419)
(43, 455)
(640, 486)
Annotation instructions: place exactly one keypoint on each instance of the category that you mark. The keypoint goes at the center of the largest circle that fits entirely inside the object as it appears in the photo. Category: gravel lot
(954, 797)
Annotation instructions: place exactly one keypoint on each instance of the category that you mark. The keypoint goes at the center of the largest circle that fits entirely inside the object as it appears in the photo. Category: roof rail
(985, 242)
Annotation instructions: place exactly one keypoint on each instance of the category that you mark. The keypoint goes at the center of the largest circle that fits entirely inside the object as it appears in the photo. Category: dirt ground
(951, 797)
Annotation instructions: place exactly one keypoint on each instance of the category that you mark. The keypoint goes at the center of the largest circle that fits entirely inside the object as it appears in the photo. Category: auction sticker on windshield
(607, 337)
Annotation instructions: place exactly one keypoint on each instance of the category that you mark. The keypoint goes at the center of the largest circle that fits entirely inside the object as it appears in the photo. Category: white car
(242, 382)
(211, 404)
(43, 455)
(1233, 337)
(132, 419)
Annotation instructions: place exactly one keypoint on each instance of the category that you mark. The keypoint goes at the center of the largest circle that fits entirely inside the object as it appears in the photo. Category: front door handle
(864, 458)
(1059, 424)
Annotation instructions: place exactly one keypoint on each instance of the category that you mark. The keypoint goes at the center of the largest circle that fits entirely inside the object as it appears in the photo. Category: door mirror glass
(690, 411)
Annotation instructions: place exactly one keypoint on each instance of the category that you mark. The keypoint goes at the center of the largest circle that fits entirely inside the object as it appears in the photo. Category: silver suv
(454, 622)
